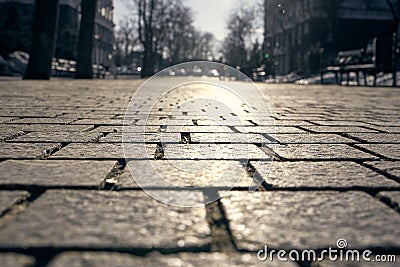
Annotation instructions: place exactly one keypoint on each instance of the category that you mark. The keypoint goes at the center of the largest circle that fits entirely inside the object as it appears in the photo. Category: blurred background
(268, 40)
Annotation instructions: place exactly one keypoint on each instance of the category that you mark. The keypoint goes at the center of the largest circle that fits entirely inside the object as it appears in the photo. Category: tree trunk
(395, 56)
(85, 44)
(43, 40)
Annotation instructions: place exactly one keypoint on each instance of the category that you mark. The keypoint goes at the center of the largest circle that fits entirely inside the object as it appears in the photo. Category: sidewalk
(67, 197)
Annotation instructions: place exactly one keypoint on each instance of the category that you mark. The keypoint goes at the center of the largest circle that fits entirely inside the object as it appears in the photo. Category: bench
(67, 68)
(376, 58)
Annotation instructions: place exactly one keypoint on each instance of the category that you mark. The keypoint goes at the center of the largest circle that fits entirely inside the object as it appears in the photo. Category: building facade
(16, 21)
(304, 35)
(104, 34)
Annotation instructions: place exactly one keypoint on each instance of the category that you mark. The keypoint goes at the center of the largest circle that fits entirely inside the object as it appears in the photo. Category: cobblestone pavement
(68, 199)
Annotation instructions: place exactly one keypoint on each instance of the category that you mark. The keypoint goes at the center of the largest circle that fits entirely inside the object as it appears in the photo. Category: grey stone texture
(339, 174)
(16, 260)
(105, 219)
(67, 187)
(9, 198)
(54, 172)
(92, 259)
(304, 220)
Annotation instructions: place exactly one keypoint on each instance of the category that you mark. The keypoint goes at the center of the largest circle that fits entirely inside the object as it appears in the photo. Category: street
(325, 160)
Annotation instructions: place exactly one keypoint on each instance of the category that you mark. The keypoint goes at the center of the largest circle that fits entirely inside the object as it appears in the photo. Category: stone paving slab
(228, 138)
(57, 137)
(99, 151)
(112, 122)
(54, 172)
(85, 259)
(188, 173)
(9, 132)
(339, 129)
(377, 137)
(305, 219)
(311, 139)
(140, 138)
(7, 119)
(393, 197)
(323, 174)
(45, 128)
(9, 198)
(41, 120)
(388, 129)
(16, 260)
(390, 151)
(390, 167)
(213, 151)
(320, 151)
(26, 150)
(198, 129)
(269, 129)
(75, 218)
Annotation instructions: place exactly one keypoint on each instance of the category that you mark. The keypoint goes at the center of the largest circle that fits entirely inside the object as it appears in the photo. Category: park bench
(374, 59)
(67, 68)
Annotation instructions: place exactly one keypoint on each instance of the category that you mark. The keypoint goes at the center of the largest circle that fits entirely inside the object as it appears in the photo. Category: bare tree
(125, 40)
(85, 43)
(44, 39)
(146, 21)
(240, 40)
(394, 6)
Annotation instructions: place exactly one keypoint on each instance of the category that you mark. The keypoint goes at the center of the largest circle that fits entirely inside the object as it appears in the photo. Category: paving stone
(16, 260)
(198, 129)
(7, 119)
(54, 172)
(87, 259)
(227, 138)
(130, 129)
(140, 137)
(101, 151)
(321, 174)
(9, 198)
(41, 120)
(7, 132)
(106, 219)
(45, 128)
(25, 150)
(378, 137)
(208, 122)
(389, 129)
(393, 196)
(339, 129)
(311, 139)
(307, 219)
(58, 137)
(391, 151)
(269, 129)
(100, 122)
(285, 122)
(390, 167)
(345, 123)
(320, 151)
(187, 173)
(213, 151)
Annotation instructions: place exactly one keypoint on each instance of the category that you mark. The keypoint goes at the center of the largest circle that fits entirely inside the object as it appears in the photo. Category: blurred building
(305, 35)
(16, 21)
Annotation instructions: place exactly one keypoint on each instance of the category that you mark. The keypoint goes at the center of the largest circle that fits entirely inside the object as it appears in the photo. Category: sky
(210, 15)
